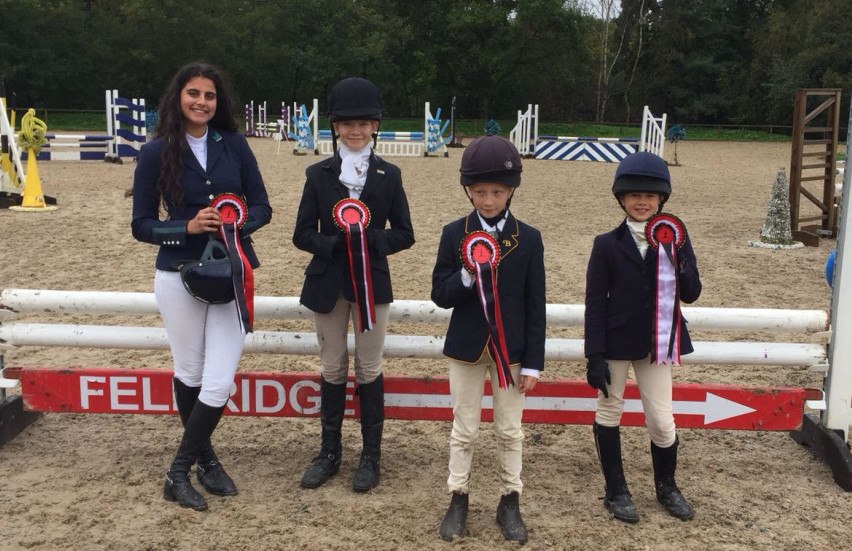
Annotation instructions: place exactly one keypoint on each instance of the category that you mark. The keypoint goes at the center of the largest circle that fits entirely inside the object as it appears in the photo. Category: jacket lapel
(192, 163)
(332, 165)
(508, 237)
(627, 245)
(375, 175)
(215, 146)
(471, 224)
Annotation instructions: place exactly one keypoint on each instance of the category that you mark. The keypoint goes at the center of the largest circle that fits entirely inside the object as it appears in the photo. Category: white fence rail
(15, 302)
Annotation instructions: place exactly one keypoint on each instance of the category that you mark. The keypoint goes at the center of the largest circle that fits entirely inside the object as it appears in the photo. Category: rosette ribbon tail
(486, 288)
(242, 275)
(667, 307)
(362, 278)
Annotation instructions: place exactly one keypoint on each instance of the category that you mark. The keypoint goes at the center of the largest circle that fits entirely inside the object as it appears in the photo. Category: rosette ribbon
(234, 213)
(666, 233)
(480, 255)
(352, 217)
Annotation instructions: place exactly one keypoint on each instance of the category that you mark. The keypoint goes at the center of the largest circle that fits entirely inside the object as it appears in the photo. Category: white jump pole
(400, 346)
(15, 301)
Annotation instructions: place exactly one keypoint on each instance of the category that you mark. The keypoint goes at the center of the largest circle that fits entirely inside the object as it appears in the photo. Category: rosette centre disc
(351, 215)
(481, 253)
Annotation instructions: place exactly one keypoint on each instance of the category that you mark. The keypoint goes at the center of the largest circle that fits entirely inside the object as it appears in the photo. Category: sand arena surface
(95, 481)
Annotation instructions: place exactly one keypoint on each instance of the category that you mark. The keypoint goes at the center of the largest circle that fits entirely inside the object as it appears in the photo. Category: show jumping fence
(126, 133)
(258, 126)
(431, 141)
(715, 406)
(525, 136)
(98, 390)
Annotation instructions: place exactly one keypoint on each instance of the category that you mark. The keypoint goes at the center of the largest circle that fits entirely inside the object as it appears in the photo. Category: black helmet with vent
(491, 159)
(354, 98)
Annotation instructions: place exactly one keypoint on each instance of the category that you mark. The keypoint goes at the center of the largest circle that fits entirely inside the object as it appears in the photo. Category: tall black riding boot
(509, 518)
(665, 465)
(372, 399)
(617, 498)
(211, 474)
(327, 462)
(199, 426)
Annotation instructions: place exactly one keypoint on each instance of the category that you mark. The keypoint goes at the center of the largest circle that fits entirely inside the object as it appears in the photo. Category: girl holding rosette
(490, 271)
(202, 174)
(638, 275)
(347, 203)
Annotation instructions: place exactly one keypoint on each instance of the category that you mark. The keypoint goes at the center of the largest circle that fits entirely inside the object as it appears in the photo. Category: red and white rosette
(352, 217)
(666, 233)
(480, 255)
(234, 213)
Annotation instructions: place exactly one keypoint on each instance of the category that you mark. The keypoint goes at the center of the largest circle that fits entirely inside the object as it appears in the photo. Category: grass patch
(58, 120)
(68, 120)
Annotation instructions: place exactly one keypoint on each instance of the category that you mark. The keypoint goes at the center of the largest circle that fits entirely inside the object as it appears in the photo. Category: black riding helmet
(491, 159)
(643, 171)
(354, 98)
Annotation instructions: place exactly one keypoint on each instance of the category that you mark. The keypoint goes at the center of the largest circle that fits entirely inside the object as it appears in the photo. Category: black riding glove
(339, 243)
(597, 373)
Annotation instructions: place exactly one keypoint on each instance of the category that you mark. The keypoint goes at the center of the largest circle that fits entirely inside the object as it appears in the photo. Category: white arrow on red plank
(714, 408)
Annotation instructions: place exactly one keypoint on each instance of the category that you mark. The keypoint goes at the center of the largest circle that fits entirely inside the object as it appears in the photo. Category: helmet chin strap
(335, 135)
(376, 135)
(659, 208)
(467, 194)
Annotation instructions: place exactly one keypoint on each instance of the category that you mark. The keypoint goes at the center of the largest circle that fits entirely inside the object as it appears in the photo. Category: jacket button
(647, 287)
(647, 305)
(210, 197)
(207, 182)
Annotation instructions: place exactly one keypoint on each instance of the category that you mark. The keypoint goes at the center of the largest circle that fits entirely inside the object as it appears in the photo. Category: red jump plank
(147, 391)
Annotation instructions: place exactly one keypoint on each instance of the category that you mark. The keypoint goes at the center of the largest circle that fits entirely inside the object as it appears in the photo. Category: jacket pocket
(616, 321)
(317, 266)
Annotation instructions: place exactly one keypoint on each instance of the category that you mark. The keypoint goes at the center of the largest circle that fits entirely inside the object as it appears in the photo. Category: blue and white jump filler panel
(567, 148)
(580, 148)
(126, 124)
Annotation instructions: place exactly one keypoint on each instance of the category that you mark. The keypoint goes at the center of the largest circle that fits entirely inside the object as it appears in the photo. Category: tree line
(700, 61)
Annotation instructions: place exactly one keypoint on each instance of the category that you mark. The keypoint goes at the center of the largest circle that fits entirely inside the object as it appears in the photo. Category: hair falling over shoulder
(171, 127)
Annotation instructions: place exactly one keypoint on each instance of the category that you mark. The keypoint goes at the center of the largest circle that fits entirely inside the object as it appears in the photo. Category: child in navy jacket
(497, 326)
(357, 185)
(623, 328)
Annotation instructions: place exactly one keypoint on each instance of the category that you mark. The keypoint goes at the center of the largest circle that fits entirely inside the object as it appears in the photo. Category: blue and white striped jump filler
(579, 148)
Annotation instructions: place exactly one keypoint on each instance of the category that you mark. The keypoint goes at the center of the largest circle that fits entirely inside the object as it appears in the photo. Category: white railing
(14, 302)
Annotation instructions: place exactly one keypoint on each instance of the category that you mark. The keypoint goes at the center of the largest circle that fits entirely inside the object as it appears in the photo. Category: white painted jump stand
(12, 175)
(525, 133)
(126, 124)
(653, 135)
